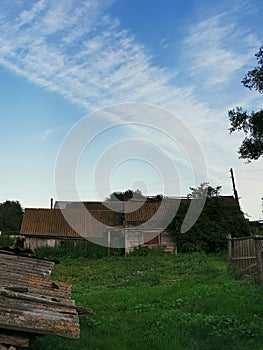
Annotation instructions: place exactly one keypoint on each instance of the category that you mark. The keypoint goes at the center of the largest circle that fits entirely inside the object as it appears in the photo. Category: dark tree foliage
(250, 123)
(130, 194)
(125, 196)
(220, 216)
(204, 190)
(11, 214)
(254, 77)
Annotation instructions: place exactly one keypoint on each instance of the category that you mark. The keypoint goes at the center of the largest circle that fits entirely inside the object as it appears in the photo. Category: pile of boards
(31, 303)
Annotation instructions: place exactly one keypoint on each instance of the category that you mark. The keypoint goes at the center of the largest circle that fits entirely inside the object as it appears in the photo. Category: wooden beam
(229, 246)
(43, 301)
(109, 235)
(244, 258)
(257, 240)
(14, 340)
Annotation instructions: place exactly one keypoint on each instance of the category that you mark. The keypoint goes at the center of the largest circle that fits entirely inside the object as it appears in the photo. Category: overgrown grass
(75, 250)
(160, 301)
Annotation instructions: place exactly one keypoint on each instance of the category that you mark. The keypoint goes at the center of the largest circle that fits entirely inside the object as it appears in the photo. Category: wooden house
(51, 227)
(132, 223)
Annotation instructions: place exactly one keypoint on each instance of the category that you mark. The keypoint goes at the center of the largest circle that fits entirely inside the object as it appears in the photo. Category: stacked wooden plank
(31, 303)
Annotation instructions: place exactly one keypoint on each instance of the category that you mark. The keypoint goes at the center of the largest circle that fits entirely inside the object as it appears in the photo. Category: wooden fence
(245, 254)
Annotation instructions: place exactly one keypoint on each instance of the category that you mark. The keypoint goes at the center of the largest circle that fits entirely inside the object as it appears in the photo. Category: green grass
(171, 302)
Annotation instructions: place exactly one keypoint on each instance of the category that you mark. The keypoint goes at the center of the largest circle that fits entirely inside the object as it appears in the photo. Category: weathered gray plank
(35, 284)
(14, 340)
(30, 302)
(41, 324)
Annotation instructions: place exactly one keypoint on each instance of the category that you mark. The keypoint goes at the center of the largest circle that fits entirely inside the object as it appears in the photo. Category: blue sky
(62, 60)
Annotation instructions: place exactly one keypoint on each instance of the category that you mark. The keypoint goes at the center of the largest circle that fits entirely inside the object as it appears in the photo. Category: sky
(148, 83)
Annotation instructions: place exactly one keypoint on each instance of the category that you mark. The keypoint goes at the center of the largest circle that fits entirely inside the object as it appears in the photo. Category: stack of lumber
(31, 303)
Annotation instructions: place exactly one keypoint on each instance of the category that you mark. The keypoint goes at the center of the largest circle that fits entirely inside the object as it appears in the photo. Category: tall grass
(160, 301)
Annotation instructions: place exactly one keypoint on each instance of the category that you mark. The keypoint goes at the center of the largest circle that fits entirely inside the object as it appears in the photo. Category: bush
(6, 240)
(70, 249)
(146, 250)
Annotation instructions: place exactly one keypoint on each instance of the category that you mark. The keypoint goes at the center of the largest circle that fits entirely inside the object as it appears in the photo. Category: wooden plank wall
(245, 254)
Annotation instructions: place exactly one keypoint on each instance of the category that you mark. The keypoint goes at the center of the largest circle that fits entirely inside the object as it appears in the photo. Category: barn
(134, 224)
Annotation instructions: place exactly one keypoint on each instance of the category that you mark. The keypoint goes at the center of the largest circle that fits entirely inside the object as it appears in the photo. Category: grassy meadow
(154, 300)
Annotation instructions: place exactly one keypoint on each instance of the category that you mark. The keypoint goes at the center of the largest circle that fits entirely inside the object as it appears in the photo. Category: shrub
(70, 249)
(6, 240)
(146, 250)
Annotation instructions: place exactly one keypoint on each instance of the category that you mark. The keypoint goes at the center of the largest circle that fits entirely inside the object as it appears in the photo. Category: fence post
(109, 235)
(229, 246)
(257, 240)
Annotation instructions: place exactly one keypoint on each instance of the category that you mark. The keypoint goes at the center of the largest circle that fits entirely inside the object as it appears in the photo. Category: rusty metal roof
(69, 223)
(117, 206)
(32, 303)
(152, 214)
(79, 223)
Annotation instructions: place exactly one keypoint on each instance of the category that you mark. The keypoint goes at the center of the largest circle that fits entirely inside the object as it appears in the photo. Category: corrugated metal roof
(30, 302)
(148, 211)
(68, 223)
(78, 223)
(90, 205)
(116, 206)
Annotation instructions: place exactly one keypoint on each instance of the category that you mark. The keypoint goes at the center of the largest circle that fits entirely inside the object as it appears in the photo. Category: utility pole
(234, 187)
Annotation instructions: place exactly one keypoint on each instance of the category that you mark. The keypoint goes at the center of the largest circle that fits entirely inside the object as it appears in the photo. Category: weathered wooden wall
(245, 254)
(135, 237)
(45, 242)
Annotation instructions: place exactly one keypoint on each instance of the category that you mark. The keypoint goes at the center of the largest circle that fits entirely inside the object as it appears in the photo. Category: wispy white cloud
(58, 130)
(78, 50)
(164, 43)
(45, 134)
(214, 51)
(81, 53)
(28, 16)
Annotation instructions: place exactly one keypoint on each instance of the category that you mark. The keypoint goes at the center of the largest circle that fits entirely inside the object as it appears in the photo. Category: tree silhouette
(250, 123)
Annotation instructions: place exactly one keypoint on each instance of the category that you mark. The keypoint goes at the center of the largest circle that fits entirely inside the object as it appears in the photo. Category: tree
(130, 194)
(220, 216)
(125, 196)
(250, 123)
(11, 214)
(203, 191)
